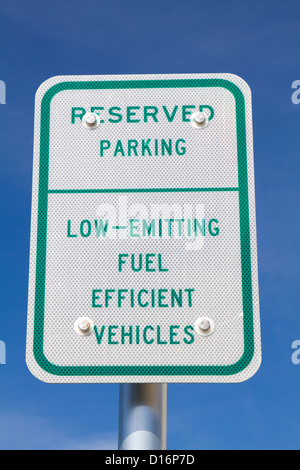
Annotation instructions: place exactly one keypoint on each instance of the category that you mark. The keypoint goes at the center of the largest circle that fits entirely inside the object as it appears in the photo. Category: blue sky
(258, 41)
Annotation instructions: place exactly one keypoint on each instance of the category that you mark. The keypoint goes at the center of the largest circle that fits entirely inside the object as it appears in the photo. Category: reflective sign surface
(143, 242)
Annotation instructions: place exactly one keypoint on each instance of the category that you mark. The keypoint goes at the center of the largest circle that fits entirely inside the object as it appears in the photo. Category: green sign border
(38, 340)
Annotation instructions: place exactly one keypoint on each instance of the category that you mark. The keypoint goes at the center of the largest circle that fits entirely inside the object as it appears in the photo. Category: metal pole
(143, 417)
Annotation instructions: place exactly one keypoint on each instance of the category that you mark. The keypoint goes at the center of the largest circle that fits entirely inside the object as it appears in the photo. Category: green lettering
(104, 145)
(213, 231)
(113, 113)
(108, 297)
(139, 298)
(69, 234)
(148, 229)
(77, 113)
(161, 297)
(150, 111)
(121, 297)
(111, 334)
(177, 297)
(96, 297)
(99, 336)
(93, 109)
(191, 336)
(180, 150)
(170, 117)
(167, 147)
(123, 334)
(149, 261)
(145, 146)
(121, 255)
(159, 341)
(173, 334)
(189, 291)
(133, 267)
(132, 145)
(131, 113)
(119, 148)
(160, 268)
(186, 113)
(88, 224)
(146, 340)
(133, 227)
(100, 228)
(211, 109)
(197, 225)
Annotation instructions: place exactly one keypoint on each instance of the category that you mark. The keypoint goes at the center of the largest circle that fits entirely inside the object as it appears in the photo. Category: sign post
(143, 417)
(143, 261)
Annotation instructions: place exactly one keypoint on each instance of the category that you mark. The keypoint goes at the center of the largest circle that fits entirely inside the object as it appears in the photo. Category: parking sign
(143, 238)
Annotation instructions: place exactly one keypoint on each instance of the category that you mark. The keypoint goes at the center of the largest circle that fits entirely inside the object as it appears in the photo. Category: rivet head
(204, 326)
(84, 326)
(199, 120)
(91, 120)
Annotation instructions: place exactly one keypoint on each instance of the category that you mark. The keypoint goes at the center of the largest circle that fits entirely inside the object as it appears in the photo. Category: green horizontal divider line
(134, 190)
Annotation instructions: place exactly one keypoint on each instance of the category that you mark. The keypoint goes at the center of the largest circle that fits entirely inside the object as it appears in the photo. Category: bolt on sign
(143, 240)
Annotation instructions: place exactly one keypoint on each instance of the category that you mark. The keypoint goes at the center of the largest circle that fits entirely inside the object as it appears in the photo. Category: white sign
(143, 240)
